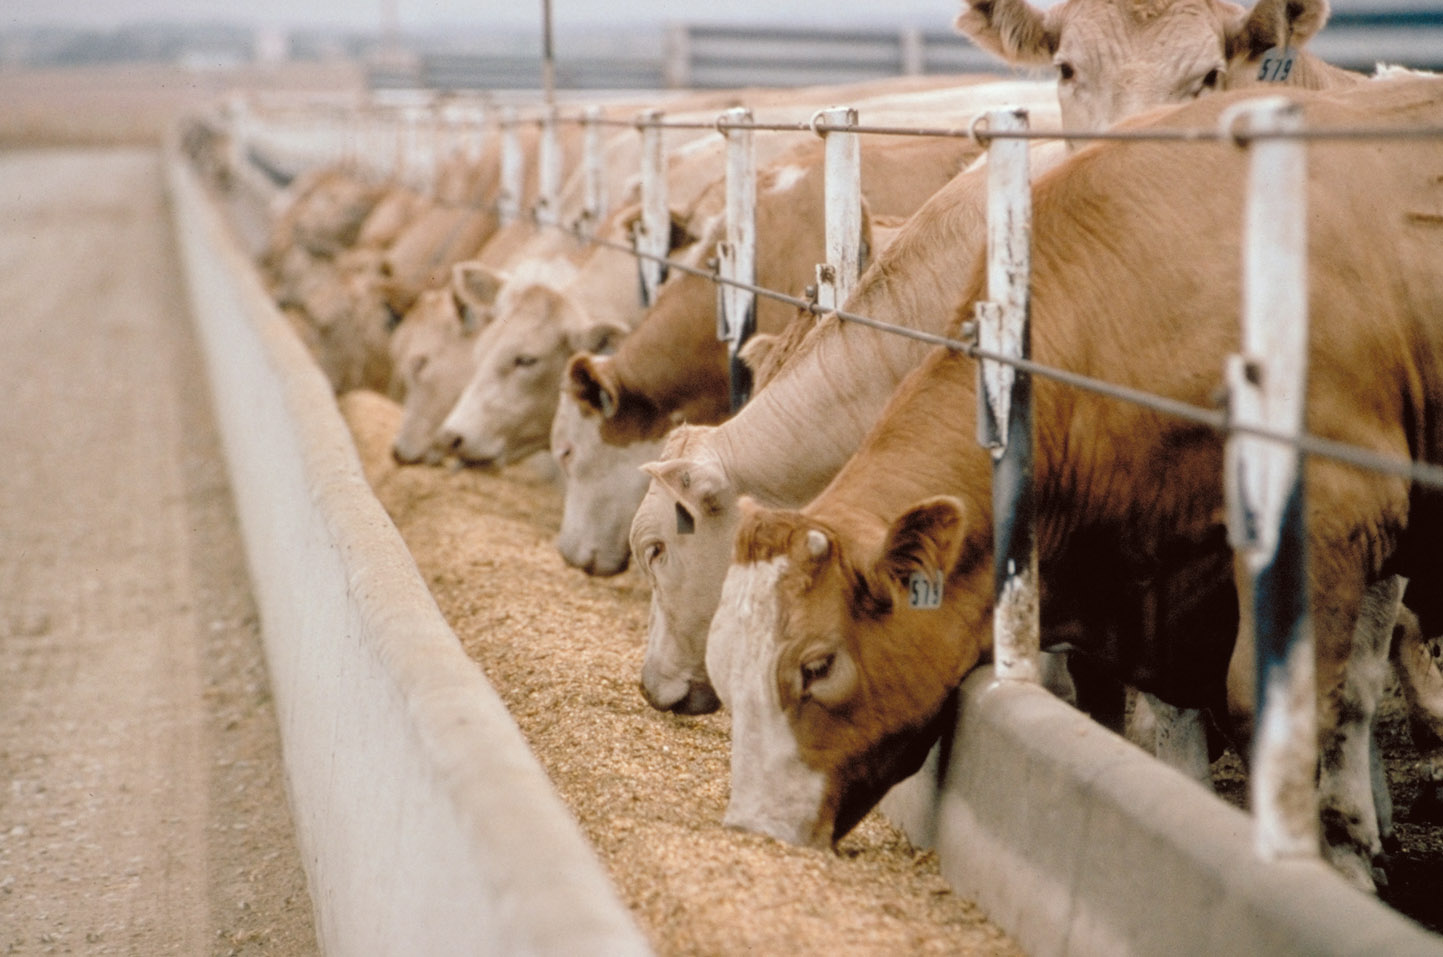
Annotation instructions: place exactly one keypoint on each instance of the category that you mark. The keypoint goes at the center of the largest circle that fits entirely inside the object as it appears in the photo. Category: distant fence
(695, 56)
(699, 56)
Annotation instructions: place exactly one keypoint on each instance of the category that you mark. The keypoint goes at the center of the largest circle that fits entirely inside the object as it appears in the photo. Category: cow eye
(525, 361)
(1209, 82)
(651, 553)
(1065, 71)
(816, 669)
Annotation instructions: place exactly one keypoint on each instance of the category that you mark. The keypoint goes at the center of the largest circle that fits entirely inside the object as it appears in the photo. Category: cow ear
(601, 338)
(681, 235)
(698, 486)
(756, 349)
(1014, 30)
(1275, 23)
(592, 382)
(476, 289)
(928, 539)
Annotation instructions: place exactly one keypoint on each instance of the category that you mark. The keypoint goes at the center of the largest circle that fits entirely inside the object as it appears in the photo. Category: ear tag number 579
(924, 592)
(1277, 64)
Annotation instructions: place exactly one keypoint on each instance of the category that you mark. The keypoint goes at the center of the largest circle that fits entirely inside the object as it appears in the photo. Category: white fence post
(1004, 392)
(508, 198)
(593, 204)
(548, 173)
(396, 130)
(1267, 386)
(478, 127)
(837, 277)
(652, 234)
(736, 255)
(416, 139)
(240, 131)
(913, 52)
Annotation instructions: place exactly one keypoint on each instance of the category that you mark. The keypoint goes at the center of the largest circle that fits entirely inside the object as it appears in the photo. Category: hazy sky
(418, 14)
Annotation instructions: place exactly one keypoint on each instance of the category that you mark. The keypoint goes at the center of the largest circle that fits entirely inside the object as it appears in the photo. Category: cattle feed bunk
(1072, 839)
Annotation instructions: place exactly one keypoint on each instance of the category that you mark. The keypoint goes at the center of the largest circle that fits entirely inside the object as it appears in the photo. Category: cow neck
(798, 431)
(672, 361)
(914, 452)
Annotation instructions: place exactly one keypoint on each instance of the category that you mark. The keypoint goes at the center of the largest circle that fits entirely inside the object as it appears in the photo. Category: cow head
(506, 410)
(837, 680)
(603, 485)
(432, 351)
(681, 539)
(328, 219)
(602, 435)
(1116, 58)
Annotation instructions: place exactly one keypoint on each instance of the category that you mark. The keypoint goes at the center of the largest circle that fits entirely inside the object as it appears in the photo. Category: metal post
(478, 126)
(913, 52)
(593, 204)
(736, 255)
(652, 235)
(548, 158)
(508, 199)
(1004, 409)
(548, 56)
(677, 47)
(1267, 386)
(240, 132)
(837, 277)
(400, 168)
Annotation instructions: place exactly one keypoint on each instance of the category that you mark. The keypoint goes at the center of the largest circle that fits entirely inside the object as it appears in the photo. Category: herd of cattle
(780, 541)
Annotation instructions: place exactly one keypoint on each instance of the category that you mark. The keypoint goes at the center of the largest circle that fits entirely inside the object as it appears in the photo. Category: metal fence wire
(1256, 421)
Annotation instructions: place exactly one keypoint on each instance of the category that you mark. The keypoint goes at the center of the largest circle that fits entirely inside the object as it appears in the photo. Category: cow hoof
(1356, 869)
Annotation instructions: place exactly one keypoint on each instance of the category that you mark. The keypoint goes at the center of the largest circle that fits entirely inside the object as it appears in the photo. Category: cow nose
(700, 699)
(448, 442)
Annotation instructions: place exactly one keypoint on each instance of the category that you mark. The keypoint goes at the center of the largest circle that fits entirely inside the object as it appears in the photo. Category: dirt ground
(142, 803)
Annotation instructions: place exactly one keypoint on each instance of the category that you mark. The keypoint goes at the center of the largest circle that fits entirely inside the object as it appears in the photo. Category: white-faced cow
(432, 352)
(835, 682)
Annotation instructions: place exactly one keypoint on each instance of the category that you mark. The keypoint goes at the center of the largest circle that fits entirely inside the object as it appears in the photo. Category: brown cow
(836, 685)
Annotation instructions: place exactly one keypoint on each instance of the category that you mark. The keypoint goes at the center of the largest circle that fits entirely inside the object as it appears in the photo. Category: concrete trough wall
(425, 823)
(428, 828)
(1078, 843)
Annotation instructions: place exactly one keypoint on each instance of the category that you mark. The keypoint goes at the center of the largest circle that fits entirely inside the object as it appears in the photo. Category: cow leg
(1353, 686)
(1179, 737)
(1057, 678)
(1382, 796)
(1352, 635)
(1098, 693)
(1418, 662)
